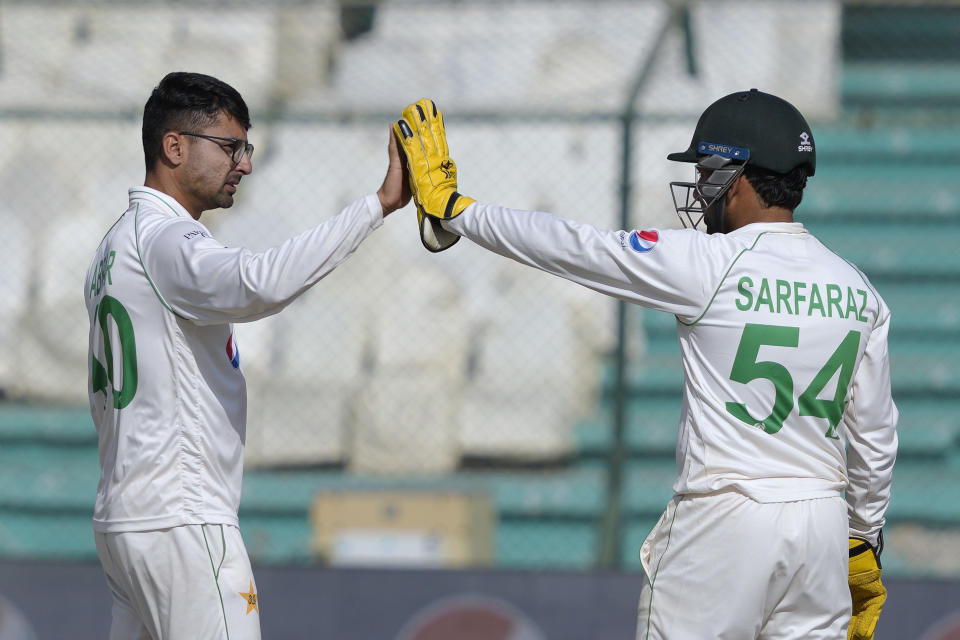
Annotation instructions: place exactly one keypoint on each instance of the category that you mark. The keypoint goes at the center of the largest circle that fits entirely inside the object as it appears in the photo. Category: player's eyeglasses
(234, 147)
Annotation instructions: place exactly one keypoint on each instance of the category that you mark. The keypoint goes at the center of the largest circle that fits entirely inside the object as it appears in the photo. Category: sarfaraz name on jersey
(790, 297)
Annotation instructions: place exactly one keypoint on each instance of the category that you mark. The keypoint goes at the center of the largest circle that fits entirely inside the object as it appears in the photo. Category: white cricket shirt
(167, 392)
(783, 346)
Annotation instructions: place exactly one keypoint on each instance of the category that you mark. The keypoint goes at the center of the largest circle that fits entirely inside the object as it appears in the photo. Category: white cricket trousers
(192, 582)
(723, 566)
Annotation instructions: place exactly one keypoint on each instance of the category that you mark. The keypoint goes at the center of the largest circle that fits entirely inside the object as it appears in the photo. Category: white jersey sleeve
(199, 279)
(603, 260)
(871, 419)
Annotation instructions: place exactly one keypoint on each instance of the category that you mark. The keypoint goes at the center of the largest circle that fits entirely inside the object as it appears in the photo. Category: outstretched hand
(394, 193)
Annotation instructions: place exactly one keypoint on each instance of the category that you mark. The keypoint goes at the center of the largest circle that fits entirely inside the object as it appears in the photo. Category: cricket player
(787, 433)
(166, 386)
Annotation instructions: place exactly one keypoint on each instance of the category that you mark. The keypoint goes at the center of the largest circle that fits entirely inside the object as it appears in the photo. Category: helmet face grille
(713, 175)
(686, 204)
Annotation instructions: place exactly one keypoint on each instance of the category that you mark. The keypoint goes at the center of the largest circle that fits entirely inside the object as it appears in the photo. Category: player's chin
(224, 200)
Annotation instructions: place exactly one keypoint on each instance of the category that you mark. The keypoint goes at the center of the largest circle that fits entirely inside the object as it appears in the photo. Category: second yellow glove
(866, 590)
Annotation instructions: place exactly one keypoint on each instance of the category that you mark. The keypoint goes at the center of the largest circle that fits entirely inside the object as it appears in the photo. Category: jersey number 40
(102, 375)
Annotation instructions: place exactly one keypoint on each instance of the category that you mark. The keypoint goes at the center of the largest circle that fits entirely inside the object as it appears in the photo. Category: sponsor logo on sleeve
(644, 241)
(233, 353)
(196, 233)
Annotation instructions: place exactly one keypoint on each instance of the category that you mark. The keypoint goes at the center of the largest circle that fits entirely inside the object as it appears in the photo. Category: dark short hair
(778, 189)
(187, 102)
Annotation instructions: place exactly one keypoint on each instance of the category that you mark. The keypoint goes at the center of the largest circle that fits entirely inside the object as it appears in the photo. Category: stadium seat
(47, 535)
(30, 72)
(306, 365)
(883, 148)
(907, 32)
(277, 538)
(14, 293)
(922, 311)
(911, 84)
(406, 424)
(42, 423)
(650, 423)
(883, 253)
(783, 33)
(527, 55)
(530, 373)
(407, 412)
(925, 492)
(648, 486)
(925, 369)
(636, 531)
(545, 519)
(659, 374)
(576, 184)
(534, 544)
(53, 353)
(50, 477)
(928, 428)
(302, 378)
(864, 195)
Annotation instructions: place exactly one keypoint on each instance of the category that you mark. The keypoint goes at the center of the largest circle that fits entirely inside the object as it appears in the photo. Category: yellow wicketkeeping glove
(432, 173)
(866, 590)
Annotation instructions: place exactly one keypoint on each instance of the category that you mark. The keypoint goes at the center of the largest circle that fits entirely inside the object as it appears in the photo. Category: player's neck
(736, 219)
(773, 214)
(165, 184)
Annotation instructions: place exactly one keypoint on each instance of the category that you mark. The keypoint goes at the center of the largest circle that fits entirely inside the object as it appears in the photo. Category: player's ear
(740, 188)
(172, 149)
(737, 184)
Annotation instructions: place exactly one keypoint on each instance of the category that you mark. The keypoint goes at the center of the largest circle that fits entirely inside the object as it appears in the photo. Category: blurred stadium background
(547, 441)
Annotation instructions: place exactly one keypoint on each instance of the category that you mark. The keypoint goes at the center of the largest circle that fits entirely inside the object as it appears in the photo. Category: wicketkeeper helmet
(745, 128)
